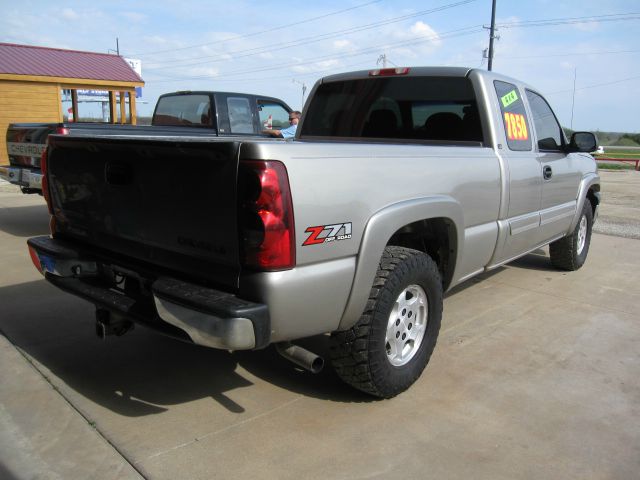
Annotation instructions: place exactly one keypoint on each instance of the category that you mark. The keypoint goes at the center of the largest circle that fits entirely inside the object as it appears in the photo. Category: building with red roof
(39, 84)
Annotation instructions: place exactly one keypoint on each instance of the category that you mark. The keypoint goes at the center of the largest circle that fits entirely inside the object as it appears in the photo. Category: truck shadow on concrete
(143, 372)
(537, 260)
(27, 221)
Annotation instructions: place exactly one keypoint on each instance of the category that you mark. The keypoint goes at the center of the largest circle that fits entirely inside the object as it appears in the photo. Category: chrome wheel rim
(407, 325)
(582, 234)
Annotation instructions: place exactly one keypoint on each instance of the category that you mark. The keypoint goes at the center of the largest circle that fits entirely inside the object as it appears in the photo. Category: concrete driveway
(535, 375)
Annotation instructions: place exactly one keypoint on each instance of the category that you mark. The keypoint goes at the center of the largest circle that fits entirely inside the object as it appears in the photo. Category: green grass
(616, 166)
(624, 153)
(625, 142)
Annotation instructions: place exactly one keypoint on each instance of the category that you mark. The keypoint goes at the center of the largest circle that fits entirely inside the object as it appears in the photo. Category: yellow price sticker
(516, 126)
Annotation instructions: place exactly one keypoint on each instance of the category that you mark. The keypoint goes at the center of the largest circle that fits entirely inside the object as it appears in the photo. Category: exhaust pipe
(300, 356)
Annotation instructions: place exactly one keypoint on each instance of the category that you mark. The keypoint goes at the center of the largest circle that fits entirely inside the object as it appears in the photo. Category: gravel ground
(7, 187)
(620, 209)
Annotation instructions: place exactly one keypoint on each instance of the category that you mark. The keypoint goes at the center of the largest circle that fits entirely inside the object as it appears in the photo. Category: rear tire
(570, 252)
(385, 352)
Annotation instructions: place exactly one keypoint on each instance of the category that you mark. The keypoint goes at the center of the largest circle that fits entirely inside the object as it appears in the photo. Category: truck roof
(435, 71)
(217, 92)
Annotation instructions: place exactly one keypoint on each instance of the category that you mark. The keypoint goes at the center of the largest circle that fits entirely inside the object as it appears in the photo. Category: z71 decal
(327, 233)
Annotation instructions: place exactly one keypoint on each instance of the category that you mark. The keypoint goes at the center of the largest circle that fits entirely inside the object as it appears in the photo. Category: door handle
(547, 173)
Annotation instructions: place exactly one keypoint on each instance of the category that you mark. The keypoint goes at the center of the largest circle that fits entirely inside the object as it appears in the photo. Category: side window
(240, 120)
(548, 129)
(273, 115)
(514, 116)
(192, 110)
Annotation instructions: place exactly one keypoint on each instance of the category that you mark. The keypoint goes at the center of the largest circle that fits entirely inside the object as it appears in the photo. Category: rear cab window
(415, 109)
(514, 116)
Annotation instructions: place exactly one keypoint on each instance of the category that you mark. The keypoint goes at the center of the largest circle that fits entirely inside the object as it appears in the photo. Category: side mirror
(583, 142)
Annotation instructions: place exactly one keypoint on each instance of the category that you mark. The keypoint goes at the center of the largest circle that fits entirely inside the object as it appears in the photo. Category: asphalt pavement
(534, 376)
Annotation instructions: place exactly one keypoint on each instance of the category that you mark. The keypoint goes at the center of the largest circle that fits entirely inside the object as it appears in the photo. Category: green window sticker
(509, 98)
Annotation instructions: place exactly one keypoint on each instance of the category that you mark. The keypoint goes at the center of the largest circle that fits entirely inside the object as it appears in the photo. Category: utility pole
(382, 58)
(118, 47)
(492, 33)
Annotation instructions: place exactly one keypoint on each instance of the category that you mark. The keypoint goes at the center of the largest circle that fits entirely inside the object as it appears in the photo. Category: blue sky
(273, 48)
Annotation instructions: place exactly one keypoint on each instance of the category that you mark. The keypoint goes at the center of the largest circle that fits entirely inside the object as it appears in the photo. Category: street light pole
(304, 90)
(573, 101)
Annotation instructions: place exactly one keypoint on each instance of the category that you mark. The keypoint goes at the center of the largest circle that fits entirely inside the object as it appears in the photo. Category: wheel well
(593, 199)
(436, 237)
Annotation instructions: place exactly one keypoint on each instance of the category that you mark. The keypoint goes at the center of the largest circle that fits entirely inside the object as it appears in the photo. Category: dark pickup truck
(192, 113)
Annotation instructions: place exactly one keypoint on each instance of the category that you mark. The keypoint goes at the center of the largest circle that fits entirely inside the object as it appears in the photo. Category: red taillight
(43, 168)
(45, 181)
(266, 216)
(35, 259)
(388, 72)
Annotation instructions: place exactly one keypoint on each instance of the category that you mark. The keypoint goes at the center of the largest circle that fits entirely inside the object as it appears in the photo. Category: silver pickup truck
(401, 183)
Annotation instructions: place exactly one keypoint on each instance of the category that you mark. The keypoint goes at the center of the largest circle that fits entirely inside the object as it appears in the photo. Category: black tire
(362, 356)
(570, 252)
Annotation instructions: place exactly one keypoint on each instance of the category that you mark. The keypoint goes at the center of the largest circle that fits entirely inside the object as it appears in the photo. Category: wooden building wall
(38, 99)
(26, 102)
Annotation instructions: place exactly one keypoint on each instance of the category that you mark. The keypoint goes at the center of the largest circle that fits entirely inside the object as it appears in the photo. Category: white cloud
(69, 14)
(423, 30)
(156, 40)
(343, 45)
(135, 17)
(587, 26)
(202, 71)
(317, 66)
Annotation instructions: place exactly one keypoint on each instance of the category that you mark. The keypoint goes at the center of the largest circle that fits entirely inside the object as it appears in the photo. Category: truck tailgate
(26, 142)
(170, 203)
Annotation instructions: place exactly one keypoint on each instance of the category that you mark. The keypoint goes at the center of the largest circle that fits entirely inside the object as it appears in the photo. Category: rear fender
(379, 230)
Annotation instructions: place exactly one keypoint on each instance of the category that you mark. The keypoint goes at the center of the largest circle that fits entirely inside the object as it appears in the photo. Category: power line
(316, 38)
(306, 40)
(574, 54)
(281, 27)
(597, 85)
(573, 20)
(373, 49)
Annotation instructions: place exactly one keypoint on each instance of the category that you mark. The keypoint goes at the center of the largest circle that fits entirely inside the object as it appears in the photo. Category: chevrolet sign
(26, 149)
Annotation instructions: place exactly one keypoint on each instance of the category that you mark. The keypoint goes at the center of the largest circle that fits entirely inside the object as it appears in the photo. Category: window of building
(94, 106)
